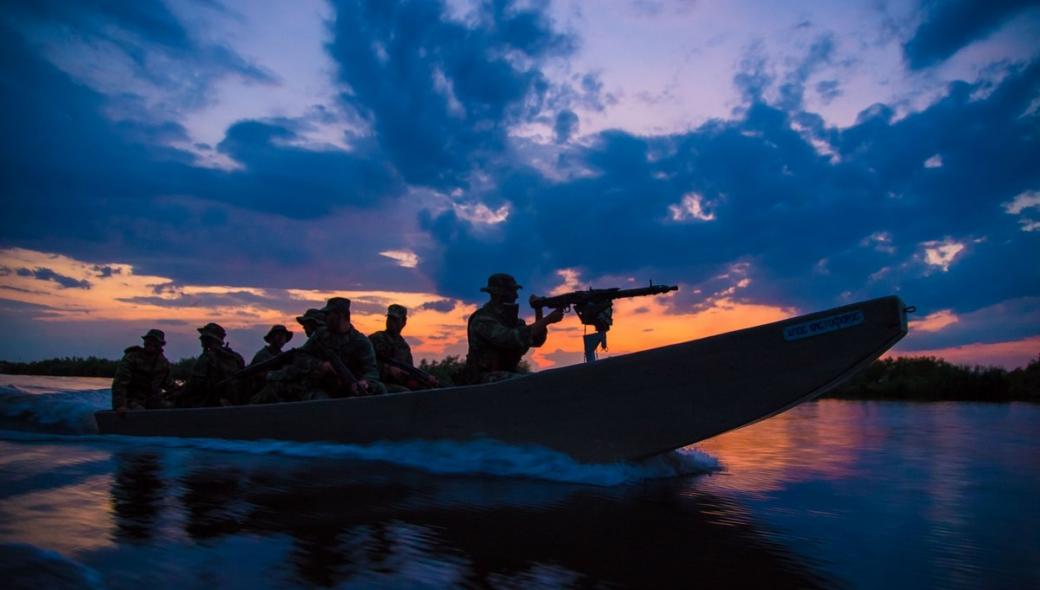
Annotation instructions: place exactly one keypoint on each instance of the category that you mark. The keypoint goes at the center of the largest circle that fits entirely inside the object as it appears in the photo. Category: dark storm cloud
(777, 220)
(439, 94)
(75, 181)
(441, 305)
(949, 25)
(46, 274)
(566, 125)
(106, 271)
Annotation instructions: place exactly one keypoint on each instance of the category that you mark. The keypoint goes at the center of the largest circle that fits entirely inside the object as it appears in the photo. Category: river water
(830, 494)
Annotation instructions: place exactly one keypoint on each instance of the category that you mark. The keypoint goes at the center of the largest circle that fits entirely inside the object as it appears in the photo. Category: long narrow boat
(627, 407)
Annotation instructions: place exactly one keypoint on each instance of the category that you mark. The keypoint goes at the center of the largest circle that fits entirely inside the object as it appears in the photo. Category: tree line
(903, 378)
(933, 379)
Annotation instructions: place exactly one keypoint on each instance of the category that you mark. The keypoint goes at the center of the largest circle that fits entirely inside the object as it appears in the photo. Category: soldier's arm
(381, 345)
(161, 380)
(121, 383)
(367, 360)
(500, 336)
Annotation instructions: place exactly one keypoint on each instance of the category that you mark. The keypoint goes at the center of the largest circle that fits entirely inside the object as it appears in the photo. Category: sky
(166, 163)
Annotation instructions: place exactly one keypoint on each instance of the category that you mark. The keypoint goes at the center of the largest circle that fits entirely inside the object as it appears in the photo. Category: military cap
(313, 316)
(337, 305)
(156, 335)
(212, 330)
(397, 311)
(500, 282)
(278, 329)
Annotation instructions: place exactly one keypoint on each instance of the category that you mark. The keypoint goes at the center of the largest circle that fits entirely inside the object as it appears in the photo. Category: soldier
(277, 337)
(498, 338)
(311, 320)
(142, 375)
(341, 348)
(210, 383)
(303, 378)
(395, 356)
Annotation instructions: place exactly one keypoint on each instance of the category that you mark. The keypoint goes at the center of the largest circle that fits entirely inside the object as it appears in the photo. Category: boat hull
(623, 408)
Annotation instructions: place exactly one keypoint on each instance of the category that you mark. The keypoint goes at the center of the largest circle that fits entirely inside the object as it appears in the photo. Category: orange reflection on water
(70, 518)
(812, 441)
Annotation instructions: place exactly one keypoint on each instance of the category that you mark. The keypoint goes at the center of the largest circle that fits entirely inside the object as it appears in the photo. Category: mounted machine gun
(595, 307)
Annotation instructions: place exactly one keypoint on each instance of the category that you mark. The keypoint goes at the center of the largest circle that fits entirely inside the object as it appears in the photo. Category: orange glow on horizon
(639, 324)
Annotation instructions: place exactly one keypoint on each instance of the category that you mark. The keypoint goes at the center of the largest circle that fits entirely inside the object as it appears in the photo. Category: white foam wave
(66, 411)
(55, 416)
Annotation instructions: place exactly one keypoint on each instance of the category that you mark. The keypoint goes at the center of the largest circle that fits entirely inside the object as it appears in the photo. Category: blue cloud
(799, 222)
(46, 274)
(439, 94)
(949, 25)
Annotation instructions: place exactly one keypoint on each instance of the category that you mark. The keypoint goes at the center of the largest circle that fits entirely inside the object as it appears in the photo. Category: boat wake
(68, 417)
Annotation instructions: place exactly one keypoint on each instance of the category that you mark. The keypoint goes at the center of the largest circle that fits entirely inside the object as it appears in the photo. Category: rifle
(595, 307)
(422, 378)
(276, 362)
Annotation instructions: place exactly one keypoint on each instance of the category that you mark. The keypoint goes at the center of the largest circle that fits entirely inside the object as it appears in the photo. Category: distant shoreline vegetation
(903, 378)
(933, 379)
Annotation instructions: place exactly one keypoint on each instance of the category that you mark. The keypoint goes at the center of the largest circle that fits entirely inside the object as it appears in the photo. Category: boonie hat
(337, 305)
(278, 329)
(157, 335)
(313, 316)
(212, 330)
(500, 282)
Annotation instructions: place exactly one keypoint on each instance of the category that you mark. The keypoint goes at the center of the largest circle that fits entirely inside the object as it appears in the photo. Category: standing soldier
(142, 375)
(394, 356)
(498, 337)
(311, 320)
(344, 352)
(210, 383)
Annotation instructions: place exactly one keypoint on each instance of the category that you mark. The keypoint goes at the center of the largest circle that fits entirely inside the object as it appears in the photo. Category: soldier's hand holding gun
(540, 327)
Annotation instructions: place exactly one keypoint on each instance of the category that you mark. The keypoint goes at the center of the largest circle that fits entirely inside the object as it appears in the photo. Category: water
(830, 494)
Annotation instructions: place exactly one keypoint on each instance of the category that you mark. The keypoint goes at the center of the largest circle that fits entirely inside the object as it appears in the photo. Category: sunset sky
(170, 163)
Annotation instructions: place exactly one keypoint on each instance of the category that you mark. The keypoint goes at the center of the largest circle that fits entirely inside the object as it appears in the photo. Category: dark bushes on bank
(933, 379)
(92, 366)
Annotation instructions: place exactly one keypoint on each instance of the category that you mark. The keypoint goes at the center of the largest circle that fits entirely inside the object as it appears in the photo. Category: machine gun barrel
(575, 298)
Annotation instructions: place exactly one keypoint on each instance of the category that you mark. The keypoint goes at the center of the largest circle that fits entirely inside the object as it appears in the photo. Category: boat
(625, 408)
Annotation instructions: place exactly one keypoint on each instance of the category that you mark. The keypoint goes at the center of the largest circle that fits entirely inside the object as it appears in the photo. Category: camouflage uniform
(353, 348)
(210, 382)
(393, 347)
(141, 377)
(498, 339)
(264, 354)
(300, 380)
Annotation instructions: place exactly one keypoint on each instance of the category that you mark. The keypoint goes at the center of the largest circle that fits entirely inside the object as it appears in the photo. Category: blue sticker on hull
(824, 325)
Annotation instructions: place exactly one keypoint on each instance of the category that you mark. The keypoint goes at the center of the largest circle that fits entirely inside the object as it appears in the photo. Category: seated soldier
(142, 375)
(277, 337)
(345, 353)
(498, 337)
(211, 383)
(302, 379)
(395, 356)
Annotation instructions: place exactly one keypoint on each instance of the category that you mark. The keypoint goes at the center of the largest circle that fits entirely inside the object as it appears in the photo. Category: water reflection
(137, 495)
(380, 529)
